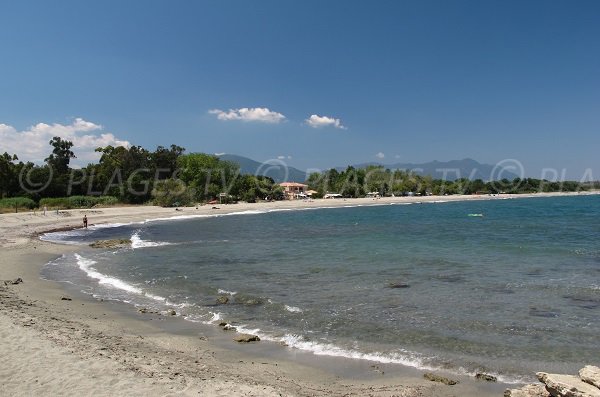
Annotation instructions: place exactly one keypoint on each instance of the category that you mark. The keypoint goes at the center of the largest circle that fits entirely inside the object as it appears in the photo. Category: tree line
(358, 182)
(169, 176)
(133, 175)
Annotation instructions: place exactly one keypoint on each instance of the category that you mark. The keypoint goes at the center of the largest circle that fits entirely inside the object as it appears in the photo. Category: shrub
(171, 193)
(19, 202)
(77, 201)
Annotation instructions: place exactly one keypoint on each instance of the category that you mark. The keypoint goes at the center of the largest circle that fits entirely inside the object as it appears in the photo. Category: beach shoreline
(108, 349)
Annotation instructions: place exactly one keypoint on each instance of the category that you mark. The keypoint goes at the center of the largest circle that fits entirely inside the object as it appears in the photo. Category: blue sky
(408, 81)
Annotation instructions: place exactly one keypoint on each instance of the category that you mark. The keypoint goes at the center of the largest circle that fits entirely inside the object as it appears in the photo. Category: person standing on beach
(85, 221)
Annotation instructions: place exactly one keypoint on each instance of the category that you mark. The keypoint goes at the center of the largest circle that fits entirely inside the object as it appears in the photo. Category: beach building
(293, 190)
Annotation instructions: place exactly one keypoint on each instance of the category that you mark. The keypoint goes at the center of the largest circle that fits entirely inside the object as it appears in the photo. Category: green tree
(61, 155)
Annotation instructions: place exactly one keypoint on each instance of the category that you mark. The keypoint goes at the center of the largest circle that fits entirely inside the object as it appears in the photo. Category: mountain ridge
(448, 170)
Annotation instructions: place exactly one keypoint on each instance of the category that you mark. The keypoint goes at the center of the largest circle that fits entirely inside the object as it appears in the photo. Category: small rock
(590, 374)
(486, 377)
(65, 298)
(173, 313)
(229, 327)
(143, 310)
(16, 281)
(559, 385)
(222, 323)
(532, 390)
(441, 379)
(222, 300)
(398, 285)
(246, 338)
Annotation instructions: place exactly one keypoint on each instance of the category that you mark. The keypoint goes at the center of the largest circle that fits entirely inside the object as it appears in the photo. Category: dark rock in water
(143, 310)
(398, 285)
(450, 278)
(229, 327)
(222, 324)
(173, 313)
(536, 312)
(246, 338)
(16, 281)
(585, 302)
(532, 390)
(441, 379)
(65, 298)
(248, 301)
(116, 243)
(486, 377)
(222, 300)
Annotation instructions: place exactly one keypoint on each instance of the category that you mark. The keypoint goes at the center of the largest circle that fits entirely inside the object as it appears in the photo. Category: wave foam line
(406, 358)
(86, 265)
(137, 242)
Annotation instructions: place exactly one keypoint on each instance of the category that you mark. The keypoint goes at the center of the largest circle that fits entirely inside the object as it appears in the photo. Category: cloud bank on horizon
(32, 144)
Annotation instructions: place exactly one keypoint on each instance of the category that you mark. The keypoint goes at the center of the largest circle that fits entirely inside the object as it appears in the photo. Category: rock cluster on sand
(16, 281)
(245, 338)
(441, 379)
(587, 384)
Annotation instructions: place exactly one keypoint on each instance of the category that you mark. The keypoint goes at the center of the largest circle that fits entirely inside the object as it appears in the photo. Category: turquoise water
(511, 292)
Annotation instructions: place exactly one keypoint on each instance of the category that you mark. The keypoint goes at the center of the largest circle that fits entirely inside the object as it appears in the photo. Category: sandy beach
(60, 342)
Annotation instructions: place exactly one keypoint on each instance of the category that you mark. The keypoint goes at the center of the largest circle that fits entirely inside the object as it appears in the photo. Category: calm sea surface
(510, 292)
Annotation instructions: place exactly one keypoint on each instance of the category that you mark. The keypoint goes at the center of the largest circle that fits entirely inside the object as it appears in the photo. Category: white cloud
(262, 115)
(380, 155)
(282, 157)
(32, 144)
(316, 121)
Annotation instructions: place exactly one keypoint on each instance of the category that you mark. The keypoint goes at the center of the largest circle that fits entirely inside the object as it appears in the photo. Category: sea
(507, 287)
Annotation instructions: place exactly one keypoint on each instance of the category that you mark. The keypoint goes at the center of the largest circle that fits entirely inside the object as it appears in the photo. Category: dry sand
(51, 346)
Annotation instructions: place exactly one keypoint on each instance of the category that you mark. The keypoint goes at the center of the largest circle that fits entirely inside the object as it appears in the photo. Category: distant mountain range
(448, 170)
(276, 169)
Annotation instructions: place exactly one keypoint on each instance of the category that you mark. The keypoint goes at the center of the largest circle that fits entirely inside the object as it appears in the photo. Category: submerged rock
(246, 338)
(116, 243)
(222, 300)
(173, 313)
(248, 301)
(398, 285)
(486, 377)
(532, 390)
(559, 385)
(590, 374)
(441, 379)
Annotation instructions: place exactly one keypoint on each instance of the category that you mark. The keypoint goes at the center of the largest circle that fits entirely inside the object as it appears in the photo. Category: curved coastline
(25, 255)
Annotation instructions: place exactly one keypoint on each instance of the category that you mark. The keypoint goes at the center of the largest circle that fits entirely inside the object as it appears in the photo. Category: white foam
(215, 317)
(293, 309)
(137, 242)
(224, 291)
(86, 265)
